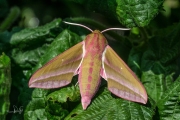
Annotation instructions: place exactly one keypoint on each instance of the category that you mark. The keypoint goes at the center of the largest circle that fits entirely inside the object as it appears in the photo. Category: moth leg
(77, 83)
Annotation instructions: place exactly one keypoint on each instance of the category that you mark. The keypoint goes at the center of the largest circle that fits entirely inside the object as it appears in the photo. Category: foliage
(151, 49)
(5, 85)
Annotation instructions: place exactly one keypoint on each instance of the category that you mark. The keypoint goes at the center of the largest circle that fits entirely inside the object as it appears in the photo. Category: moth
(91, 59)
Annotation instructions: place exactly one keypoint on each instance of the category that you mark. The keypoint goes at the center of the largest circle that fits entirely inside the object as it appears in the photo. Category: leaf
(5, 39)
(30, 44)
(156, 84)
(60, 101)
(26, 58)
(139, 13)
(29, 36)
(165, 44)
(36, 107)
(156, 64)
(65, 94)
(169, 104)
(107, 107)
(5, 85)
(130, 13)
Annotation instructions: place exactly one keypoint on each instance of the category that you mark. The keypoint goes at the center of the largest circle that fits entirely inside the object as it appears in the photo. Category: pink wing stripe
(126, 95)
(50, 84)
(59, 71)
(121, 79)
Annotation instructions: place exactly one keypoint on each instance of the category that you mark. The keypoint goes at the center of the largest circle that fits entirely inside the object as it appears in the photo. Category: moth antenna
(78, 25)
(115, 29)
